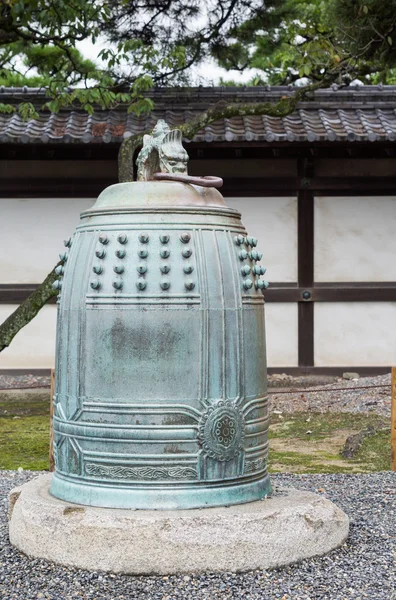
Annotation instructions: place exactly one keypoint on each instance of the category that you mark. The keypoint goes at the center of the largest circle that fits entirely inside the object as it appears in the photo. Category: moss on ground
(24, 442)
(24, 439)
(24, 431)
(320, 424)
(312, 443)
(375, 453)
(21, 404)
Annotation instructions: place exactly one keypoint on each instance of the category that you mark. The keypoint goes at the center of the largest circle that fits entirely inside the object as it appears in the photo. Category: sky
(208, 73)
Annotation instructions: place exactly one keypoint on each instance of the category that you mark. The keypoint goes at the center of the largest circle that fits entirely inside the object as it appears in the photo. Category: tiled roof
(359, 113)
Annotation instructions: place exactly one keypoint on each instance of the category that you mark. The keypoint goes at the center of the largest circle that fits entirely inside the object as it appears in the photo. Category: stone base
(277, 531)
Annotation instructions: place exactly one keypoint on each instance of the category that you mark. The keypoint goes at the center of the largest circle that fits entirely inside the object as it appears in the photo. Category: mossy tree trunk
(27, 310)
(222, 110)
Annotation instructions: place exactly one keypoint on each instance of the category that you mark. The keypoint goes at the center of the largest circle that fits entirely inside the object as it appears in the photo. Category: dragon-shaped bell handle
(164, 158)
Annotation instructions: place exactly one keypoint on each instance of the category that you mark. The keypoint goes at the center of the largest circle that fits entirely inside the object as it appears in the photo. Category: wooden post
(393, 420)
(51, 448)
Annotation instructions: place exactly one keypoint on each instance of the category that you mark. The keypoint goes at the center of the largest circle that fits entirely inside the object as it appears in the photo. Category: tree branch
(285, 106)
(27, 310)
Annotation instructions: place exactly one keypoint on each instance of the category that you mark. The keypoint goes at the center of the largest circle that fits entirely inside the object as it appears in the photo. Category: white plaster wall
(32, 234)
(274, 222)
(34, 346)
(281, 334)
(355, 238)
(355, 333)
(33, 230)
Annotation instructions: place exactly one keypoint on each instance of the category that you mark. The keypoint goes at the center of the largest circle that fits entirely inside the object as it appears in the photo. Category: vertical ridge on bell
(236, 350)
(73, 303)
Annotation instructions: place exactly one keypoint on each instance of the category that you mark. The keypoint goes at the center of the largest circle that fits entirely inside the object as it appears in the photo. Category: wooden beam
(372, 292)
(277, 292)
(54, 188)
(16, 293)
(305, 334)
(233, 186)
(305, 268)
(348, 186)
(333, 293)
(393, 421)
(331, 371)
(364, 371)
(51, 448)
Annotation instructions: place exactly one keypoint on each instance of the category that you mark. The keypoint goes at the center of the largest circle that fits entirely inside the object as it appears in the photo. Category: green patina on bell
(161, 391)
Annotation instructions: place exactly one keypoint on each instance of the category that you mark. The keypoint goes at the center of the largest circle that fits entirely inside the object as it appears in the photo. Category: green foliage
(156, 43)
(367, 31)
(27, 111)
(7, 108)
(38, 48)
(9, 79)
(334, 39)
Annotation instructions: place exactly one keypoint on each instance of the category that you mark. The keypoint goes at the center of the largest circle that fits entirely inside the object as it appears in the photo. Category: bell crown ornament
(162, 152)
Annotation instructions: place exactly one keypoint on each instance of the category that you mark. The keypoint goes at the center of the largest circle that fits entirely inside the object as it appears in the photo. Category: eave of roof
(356, 113)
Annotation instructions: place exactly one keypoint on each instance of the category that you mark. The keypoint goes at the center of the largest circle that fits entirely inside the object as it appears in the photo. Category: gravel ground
(23, 381)
(363, 568)
(331, 398)
(289, 398)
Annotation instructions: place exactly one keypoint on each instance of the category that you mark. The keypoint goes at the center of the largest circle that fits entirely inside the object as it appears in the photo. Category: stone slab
(277, 531)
